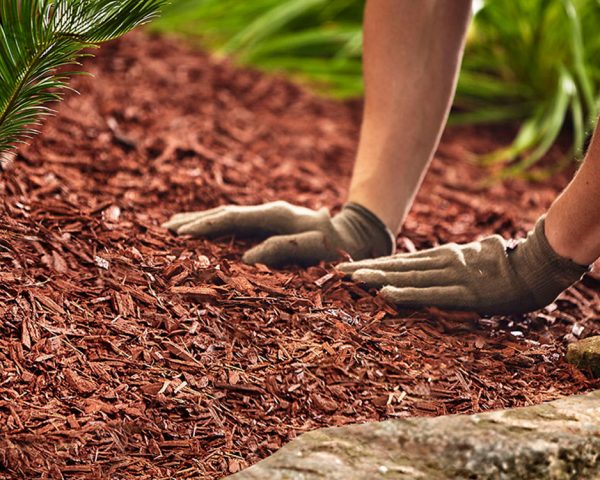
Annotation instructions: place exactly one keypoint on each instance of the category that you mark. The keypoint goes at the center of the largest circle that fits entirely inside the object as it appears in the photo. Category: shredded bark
(126, 352)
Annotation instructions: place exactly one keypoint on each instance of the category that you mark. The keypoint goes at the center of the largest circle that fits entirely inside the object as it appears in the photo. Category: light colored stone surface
(554, 441)
(586, 354)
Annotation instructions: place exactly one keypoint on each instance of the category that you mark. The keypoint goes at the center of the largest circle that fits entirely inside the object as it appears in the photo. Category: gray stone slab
(555, 441)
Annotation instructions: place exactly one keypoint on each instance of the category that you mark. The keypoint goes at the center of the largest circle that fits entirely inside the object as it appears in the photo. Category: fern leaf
(38, 38)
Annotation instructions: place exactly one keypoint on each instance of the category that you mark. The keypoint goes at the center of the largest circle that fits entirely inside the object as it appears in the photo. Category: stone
(555, 441)
(585, 354)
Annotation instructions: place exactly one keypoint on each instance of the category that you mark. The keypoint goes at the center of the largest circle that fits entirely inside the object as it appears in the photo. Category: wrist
(543, 260)
(363, 232)
(581, 248)
(542, 272)
(378, 225)
(390, 211)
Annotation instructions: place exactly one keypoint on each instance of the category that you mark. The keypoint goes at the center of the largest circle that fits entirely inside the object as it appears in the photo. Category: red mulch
(126, 352)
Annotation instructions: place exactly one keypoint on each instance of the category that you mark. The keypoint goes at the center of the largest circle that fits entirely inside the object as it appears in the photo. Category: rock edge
(585, 354)
(556, 440)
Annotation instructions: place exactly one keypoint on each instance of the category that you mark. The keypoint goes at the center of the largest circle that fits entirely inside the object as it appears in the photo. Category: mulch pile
(126, 352)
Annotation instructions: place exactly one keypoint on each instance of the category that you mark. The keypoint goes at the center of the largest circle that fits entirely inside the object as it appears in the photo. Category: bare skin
(412, 54)
(573, 221)
(408, 94)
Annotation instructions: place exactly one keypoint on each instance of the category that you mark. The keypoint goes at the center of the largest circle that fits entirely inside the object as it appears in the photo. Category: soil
(126, 352)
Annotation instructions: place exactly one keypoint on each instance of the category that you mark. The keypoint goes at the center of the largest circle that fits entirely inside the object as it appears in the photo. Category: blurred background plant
(534, 62)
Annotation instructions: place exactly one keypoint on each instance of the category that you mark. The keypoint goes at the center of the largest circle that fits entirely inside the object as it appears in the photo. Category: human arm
(491, 276)
(412, 55)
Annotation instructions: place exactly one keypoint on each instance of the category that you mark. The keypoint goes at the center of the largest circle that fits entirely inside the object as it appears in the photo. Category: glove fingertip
(190, 229)
(369, 276)
(346, 267)
(257, 255)
(172, 223)
(390, 293)
(249, 258)
(361, 275)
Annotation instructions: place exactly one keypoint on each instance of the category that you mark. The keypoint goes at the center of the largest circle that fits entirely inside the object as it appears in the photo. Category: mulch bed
(126, 352)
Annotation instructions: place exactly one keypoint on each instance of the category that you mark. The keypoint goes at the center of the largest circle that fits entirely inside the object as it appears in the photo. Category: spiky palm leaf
(38, 37)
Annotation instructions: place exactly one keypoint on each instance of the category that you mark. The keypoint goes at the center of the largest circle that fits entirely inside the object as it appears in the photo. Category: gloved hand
(487, 277)
(298, 235)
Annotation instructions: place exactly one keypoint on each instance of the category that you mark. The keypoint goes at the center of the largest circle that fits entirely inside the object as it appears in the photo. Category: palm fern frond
(38, 37)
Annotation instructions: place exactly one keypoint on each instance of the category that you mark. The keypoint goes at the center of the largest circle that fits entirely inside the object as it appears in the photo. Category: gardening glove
(298, 235)
(489, 277)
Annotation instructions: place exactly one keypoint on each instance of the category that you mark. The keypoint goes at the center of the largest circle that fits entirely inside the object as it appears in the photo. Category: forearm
(412, 53)
(573, 221)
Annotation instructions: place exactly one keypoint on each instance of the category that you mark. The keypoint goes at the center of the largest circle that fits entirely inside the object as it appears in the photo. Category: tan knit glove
(488, 277)
(298, 235)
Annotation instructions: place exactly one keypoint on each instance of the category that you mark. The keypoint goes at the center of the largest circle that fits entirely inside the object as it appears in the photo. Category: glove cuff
(384, 239)
(546, 273)
(568, 268)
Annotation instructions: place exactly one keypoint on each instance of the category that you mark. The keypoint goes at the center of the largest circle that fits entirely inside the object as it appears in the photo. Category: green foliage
(546, 57)
(318, 40)
(535, 61)
(38, 38)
